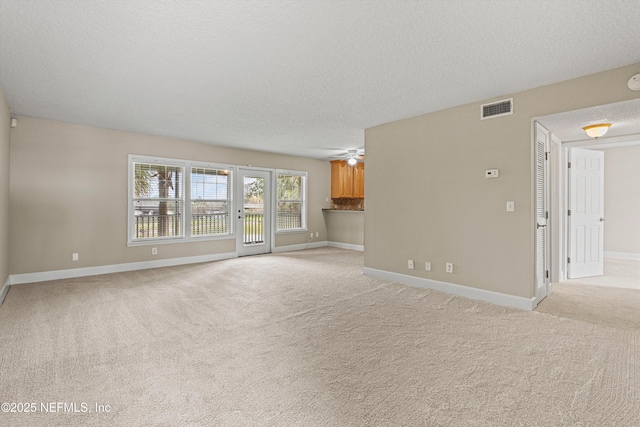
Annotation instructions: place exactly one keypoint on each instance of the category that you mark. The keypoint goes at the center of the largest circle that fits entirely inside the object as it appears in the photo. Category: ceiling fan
(352, 156)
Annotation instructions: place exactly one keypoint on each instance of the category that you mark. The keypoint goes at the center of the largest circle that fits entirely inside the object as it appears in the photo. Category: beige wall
(428, 200)
(345, 227)
(622, 199)
(69, 194)
(5, 132)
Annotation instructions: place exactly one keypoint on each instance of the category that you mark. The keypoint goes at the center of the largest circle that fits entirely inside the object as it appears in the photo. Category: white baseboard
(621, 255)
(299, 247)
(450, 288)
(5, 289)
(349, 246)
(44, 276)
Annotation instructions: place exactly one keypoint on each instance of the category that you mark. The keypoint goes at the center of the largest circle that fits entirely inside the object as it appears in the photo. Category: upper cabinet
(347, 182)
(358, 181)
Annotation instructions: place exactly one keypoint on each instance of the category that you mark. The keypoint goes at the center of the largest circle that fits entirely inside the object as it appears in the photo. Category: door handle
(601, 219)
(540, 226)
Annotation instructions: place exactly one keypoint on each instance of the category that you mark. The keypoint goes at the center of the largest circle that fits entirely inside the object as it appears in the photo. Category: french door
(253, 212)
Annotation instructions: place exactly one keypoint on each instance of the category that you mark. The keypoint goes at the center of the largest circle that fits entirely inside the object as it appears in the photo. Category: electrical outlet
(410, 264)
(317, 234)
(154, 251)
(492, 173)
(311, 235)
(449, 267)
(427, 266)
(75, 256)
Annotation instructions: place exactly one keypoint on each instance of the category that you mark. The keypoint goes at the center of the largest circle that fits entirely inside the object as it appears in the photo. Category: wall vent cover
(496, 109)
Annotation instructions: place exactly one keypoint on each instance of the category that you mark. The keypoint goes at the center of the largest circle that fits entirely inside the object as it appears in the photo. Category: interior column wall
(5, 136)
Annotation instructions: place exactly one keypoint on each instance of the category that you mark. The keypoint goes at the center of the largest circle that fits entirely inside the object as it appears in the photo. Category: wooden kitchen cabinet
(358, 181)
(347, 182)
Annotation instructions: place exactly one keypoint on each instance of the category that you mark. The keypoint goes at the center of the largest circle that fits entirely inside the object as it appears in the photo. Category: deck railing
(209, 224)
(253, 228)
(289, 220)
(154, 226)
(170, 225)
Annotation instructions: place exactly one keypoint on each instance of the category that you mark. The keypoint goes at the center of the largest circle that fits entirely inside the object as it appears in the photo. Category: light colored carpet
(602, 305)
(303, 339)
(612, 299)
(618, 273)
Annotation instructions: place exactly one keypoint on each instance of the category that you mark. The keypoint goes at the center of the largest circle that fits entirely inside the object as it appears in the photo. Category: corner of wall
(4, 290)
(5, 145)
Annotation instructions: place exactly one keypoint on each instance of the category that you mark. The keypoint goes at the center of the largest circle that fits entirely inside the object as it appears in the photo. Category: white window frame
(230, 192)
(186, 200)
(303, 219)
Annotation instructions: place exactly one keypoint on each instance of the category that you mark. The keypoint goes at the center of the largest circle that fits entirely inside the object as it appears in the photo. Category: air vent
(496, 109)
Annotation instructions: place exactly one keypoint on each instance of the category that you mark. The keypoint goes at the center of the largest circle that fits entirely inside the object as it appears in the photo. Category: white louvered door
(542, 213)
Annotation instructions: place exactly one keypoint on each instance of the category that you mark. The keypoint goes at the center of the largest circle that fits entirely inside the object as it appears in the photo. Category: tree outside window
(291, 201)
(158, 203)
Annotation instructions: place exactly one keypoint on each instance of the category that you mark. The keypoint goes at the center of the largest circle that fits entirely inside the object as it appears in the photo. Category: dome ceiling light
(596, 131)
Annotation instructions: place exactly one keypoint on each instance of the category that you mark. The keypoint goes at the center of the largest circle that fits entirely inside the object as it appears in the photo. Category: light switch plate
(511, 206)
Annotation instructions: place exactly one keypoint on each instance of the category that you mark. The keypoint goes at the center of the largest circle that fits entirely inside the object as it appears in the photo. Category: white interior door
(586, 213)
(253, 216)
(542, 213)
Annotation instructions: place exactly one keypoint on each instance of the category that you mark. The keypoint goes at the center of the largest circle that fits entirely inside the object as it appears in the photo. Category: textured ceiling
(298, 77)
(624, 117)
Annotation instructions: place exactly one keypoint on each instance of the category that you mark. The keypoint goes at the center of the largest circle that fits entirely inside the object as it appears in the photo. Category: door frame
(557, 206)
(269, 207)
(559, 177)
(563, 185)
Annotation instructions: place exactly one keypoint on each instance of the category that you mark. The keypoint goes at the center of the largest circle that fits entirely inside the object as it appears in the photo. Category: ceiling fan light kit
(352, 157)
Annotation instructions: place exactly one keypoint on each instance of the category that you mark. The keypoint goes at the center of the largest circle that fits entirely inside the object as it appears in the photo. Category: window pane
(289, 215)
(154, 219)
(289, 187)
(290, 209)
(209, 184)
(209, 218)
(157, 181)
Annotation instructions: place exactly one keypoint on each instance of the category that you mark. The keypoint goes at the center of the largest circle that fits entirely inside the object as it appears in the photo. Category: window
(158, 203)
(175, 199)
(210, 200)
(291, 194)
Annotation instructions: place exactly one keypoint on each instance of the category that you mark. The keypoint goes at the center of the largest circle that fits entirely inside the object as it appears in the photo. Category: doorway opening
(608, 235)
